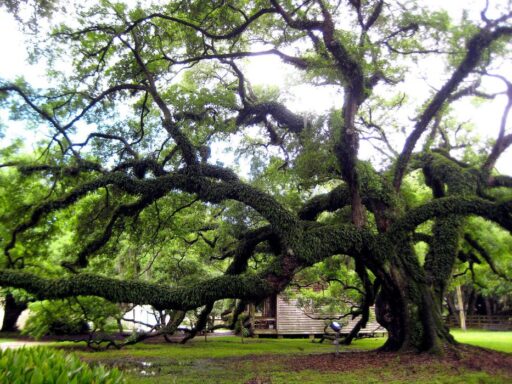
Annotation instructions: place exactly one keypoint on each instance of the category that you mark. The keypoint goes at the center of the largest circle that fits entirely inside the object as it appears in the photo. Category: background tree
(152, 91)
(30, 13)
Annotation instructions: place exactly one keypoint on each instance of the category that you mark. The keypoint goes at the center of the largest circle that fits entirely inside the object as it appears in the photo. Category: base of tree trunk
(12, 312)
(413, 326)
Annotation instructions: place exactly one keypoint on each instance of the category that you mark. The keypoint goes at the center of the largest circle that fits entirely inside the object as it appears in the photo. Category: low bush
(47, 366)
(70, 317)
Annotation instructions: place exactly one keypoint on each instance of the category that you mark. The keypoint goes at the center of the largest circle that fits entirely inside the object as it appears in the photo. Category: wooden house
(282, 316)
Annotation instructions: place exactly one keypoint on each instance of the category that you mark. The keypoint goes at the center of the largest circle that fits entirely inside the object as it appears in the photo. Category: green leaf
(37, 377)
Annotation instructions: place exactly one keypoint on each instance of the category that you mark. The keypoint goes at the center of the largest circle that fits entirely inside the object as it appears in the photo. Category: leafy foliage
(44, 366)
(70, 317)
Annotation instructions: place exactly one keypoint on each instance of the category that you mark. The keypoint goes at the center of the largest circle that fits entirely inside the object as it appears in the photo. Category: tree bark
(12, 312)
(406, 307)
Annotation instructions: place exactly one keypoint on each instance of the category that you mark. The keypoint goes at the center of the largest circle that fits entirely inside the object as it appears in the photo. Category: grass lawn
(499, 341)
(265, 361)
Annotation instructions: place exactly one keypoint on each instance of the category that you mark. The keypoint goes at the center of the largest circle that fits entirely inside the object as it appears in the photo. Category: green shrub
(48, 366)
(67, 317)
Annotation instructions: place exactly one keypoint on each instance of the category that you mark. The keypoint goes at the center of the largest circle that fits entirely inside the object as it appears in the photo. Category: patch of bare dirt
(467, 357)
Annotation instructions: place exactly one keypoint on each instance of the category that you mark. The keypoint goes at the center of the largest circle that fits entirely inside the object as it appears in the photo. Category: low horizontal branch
(462, 206)
(245, 287)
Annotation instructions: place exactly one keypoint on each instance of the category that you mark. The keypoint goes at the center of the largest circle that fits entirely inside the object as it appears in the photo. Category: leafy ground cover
(272, 361)
(42, 365)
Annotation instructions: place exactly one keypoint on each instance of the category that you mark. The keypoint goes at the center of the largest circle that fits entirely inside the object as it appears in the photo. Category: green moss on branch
(246, 287)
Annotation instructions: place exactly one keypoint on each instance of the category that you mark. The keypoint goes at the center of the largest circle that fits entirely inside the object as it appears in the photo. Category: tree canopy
(142, 98)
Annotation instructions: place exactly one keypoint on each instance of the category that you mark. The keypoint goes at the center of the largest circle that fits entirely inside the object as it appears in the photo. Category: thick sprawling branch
(63, 202)
(329, 202)
(301, 24)
(476, 47)
(373, 199)
(247, 287)
(283, 222)
(254, 114)
(464, 206)
(350, 68)
(245, 249)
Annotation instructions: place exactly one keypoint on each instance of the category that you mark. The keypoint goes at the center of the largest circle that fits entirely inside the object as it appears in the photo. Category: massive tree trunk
(12, 312)
(406, 307)
(406, 304)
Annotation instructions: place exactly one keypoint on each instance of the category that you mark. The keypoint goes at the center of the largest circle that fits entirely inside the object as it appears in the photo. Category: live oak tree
(148, 92)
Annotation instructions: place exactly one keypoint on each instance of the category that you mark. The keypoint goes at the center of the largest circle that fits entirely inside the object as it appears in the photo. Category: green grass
(227, 360)
(213, 361)
(218, 348)
(231, 346)
(273, 375)
(499, 341)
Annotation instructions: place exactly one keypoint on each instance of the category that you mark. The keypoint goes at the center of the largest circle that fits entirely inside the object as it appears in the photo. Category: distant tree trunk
(451, 307)
(460, 308)
(488, 306)
(471, 303)
(12, 312)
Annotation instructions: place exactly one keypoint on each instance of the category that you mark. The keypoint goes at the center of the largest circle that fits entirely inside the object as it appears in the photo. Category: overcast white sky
(264, 71)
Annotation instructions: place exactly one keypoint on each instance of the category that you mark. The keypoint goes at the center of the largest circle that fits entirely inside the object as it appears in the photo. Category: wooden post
(460, 307)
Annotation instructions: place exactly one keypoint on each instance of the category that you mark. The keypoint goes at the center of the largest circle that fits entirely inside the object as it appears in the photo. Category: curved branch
(125, 210)
(300, 24)
(245, 249)
(62, 129)
(186, 147)
(41, 112)
(254, 114)
(295, 61)
(485, 255)
(83, 166)
(283, 222)
(447, 206)
(476, 46)
(104, 94)
(202, 322)
(330, 202)
(503, 141)
(64, 202)
(349, 67)
(106, 136)
(236, 31)
(372, 198)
